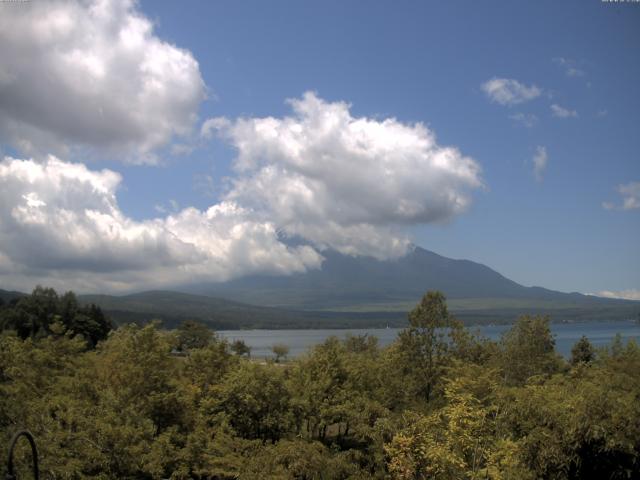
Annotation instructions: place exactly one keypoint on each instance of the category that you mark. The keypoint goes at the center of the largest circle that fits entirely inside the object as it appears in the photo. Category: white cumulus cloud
(320, 175)
(540, 160)
(528, 120)
(630, 193)
(507, 91)
(570, 66)
(92, 74)
(561, 112)
(60, 221)
(345, 182)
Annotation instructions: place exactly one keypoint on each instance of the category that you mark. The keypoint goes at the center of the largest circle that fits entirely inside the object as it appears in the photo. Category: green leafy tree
(298, 459)
(68, 308)
(582, 352)
(423, 346)
(460, 440)
(32, 314)
(35, 316)
(256, 401)
(136, 368)
(528, 349)
(318, 382)
(90, 322)
(240, 348)
(280, 350)
(205, 368)
(576, 426)
(361, 343)
(192, 335)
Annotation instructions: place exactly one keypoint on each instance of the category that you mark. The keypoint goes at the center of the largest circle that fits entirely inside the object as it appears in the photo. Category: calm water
(299, 341)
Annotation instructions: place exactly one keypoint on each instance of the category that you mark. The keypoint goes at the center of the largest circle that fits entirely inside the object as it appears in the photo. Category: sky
(149, 144)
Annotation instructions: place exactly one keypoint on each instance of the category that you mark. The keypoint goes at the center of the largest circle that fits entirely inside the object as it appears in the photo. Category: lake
(300, 341)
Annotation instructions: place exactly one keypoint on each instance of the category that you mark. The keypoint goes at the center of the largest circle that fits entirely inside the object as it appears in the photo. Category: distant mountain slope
(174, 307)
(7, 295)
(346, 281)
(358, 292)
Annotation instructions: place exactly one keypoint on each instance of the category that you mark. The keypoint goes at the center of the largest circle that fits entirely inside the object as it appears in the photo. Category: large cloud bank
(60, 222)
(321, 175)
(90, 79)
(344, 182)
(92, 74)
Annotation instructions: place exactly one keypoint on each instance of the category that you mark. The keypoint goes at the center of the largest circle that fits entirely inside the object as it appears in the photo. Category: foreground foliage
(439, 403)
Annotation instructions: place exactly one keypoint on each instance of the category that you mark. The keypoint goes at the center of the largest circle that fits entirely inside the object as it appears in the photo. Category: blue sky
(576, 64)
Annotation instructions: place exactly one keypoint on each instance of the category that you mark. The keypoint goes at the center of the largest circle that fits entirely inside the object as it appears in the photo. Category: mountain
(474, 291)
(220, 314)
(357, 292)
(345, 280)
(171, 308)
(6, 295)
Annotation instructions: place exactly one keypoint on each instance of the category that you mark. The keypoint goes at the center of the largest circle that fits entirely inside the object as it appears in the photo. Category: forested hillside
(439, 403)
(172, 308)
(362, 285)
(346, 280)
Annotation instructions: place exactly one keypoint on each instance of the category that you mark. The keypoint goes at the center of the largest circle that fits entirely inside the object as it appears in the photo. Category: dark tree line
(44, 313)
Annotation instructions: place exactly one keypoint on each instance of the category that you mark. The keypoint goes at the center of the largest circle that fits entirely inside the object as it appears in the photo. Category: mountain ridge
(345, 280)
(354, 292)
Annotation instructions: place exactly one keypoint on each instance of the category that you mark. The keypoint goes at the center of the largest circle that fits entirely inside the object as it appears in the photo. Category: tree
(68, 308)
(137, 369)
(44, 313)
(205, 367)
(298, 459)
(90, 322)
(256, 401)
(280, 350)
(318, 383)
(17, 319)
(528, 349)
(32, 314)
(582, 352)
(423, 346)
(240, 348)
(460, 440)
(582, 425)
(443, 445)
(192, 335)
(361, 343)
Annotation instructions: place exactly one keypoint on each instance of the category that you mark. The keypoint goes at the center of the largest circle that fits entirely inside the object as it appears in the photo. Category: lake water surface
(300, 341)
